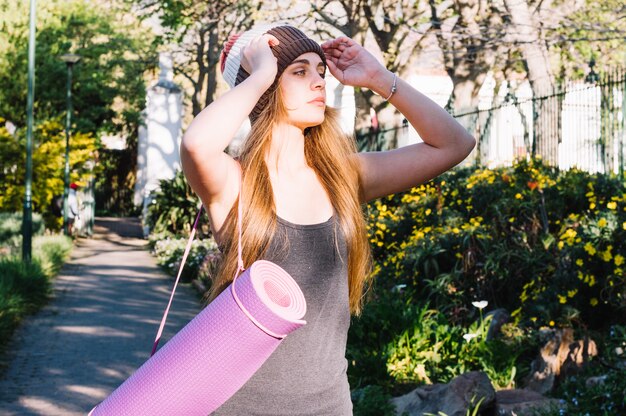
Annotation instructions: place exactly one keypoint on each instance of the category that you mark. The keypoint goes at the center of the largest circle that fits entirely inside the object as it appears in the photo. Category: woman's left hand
(350, 63)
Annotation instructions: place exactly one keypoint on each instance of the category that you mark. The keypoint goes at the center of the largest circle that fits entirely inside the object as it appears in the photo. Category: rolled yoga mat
(213, 356)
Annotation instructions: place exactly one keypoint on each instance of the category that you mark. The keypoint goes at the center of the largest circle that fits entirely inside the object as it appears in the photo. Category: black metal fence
(582, 125)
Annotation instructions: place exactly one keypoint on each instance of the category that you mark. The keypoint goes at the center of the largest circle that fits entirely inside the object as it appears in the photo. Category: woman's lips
(318, 101)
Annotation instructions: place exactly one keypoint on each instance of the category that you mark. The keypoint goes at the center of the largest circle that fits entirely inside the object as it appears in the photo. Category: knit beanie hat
(293, 43)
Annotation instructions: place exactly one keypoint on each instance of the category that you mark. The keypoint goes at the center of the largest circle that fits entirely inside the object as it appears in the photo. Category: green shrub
(24, 287)
(169, 252)
(549, 246)
(11, 228)
(372, 401)
(174, 208)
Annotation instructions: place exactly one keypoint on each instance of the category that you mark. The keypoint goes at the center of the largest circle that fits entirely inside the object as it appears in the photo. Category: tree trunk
(213, 60)
(467, 57)
(535, 52)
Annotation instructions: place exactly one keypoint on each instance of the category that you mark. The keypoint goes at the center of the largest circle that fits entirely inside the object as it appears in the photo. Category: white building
(159, 140)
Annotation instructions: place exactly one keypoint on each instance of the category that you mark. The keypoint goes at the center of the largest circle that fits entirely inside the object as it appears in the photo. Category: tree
(197, 30)
(390, 24)
(48, 163)
(108, 83)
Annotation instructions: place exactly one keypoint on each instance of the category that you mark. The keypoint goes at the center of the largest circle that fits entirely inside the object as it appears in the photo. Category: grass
(25, 287)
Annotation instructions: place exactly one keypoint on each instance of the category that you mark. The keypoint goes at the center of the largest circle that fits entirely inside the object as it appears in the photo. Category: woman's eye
(300, 72)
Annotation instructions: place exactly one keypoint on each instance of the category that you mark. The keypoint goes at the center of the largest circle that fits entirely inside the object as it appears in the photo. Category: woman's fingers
(342, 42)
(257, 54)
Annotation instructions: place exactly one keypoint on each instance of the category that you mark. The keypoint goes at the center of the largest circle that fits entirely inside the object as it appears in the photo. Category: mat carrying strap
(240, 268)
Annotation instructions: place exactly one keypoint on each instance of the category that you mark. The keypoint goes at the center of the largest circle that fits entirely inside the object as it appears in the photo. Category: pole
(27, 218)
(68, 120)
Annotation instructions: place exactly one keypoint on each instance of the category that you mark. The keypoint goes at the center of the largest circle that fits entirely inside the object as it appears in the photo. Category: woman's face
(303, 90)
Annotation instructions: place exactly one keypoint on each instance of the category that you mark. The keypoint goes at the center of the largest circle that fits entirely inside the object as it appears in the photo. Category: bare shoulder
(216, 181)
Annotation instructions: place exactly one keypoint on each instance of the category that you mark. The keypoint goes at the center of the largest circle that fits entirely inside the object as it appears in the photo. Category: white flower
(480, 305)
(469, 337)
(619, 351)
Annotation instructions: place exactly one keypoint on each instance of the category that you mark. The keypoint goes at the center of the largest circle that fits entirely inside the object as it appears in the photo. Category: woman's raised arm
(209, 170)
(446, 142)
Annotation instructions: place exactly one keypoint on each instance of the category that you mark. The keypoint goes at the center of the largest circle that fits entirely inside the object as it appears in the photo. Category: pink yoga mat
(208, 360)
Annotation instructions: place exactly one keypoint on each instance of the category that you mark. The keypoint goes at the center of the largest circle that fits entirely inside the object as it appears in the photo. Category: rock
(453, 399)
(595, 381)
(499, 318)
(559, 357)
(523, 403)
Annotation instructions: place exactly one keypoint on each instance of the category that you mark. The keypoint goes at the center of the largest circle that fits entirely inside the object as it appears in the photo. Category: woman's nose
(319, 81)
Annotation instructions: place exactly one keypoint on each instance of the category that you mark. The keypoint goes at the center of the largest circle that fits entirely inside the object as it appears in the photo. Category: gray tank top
(307, 374)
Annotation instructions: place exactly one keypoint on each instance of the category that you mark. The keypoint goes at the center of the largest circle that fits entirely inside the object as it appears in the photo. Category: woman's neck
(286, 153)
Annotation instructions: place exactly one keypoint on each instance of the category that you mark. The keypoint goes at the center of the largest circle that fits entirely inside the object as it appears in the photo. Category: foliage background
(108, 94)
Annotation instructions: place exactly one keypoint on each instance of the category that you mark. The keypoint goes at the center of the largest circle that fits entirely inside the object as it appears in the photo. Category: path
(97, 330)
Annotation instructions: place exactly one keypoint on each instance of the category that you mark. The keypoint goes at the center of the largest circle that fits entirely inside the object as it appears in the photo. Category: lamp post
(70, 59)
(592, 77)
(27, 218)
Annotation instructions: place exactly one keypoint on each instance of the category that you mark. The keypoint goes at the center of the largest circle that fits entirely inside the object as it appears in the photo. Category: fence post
(622, 141)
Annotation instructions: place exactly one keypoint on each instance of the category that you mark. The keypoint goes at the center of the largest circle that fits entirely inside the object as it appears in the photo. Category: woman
(303, 185)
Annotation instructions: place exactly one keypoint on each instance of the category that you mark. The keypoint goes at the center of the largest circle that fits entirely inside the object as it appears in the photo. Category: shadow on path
(98, 328)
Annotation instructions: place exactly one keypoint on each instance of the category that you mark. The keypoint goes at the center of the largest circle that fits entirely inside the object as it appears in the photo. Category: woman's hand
(257, 58)
(350, 63)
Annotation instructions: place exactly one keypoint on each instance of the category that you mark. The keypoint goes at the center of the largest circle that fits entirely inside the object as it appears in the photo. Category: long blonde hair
(330, 153)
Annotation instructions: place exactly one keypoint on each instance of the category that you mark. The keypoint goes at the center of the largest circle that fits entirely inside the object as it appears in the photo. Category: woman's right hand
(257, 58)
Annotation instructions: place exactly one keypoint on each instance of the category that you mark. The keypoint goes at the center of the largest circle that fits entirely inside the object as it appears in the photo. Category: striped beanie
(293, 43)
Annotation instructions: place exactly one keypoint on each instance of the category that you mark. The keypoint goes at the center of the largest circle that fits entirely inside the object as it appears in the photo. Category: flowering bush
(169, 252)
(546, 245)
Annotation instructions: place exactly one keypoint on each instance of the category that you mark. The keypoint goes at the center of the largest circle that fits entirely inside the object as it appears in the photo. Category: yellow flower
(606, 255)
(592, 205)
(572, 293)
(562, 299)
(611, 205)
(619, 260)
(551, 323)
(428, 211)
(512, 219)
(560, 245)
(455, 230)
(602, 223)
(624, 224)
(568, 234)
(590, 249)
(593, 302)
(592, 280)
(579, 262)
(518, 196)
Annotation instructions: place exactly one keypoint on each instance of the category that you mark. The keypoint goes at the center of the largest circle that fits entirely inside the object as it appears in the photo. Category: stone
(452, 399)
(519, 402)
(559, 357)
(595, 381)
(499, 318)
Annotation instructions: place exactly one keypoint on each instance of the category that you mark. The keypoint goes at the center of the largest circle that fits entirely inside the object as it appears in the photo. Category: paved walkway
(97, 330)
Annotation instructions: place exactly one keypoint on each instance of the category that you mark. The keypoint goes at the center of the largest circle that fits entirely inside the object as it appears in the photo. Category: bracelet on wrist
(394, 87)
